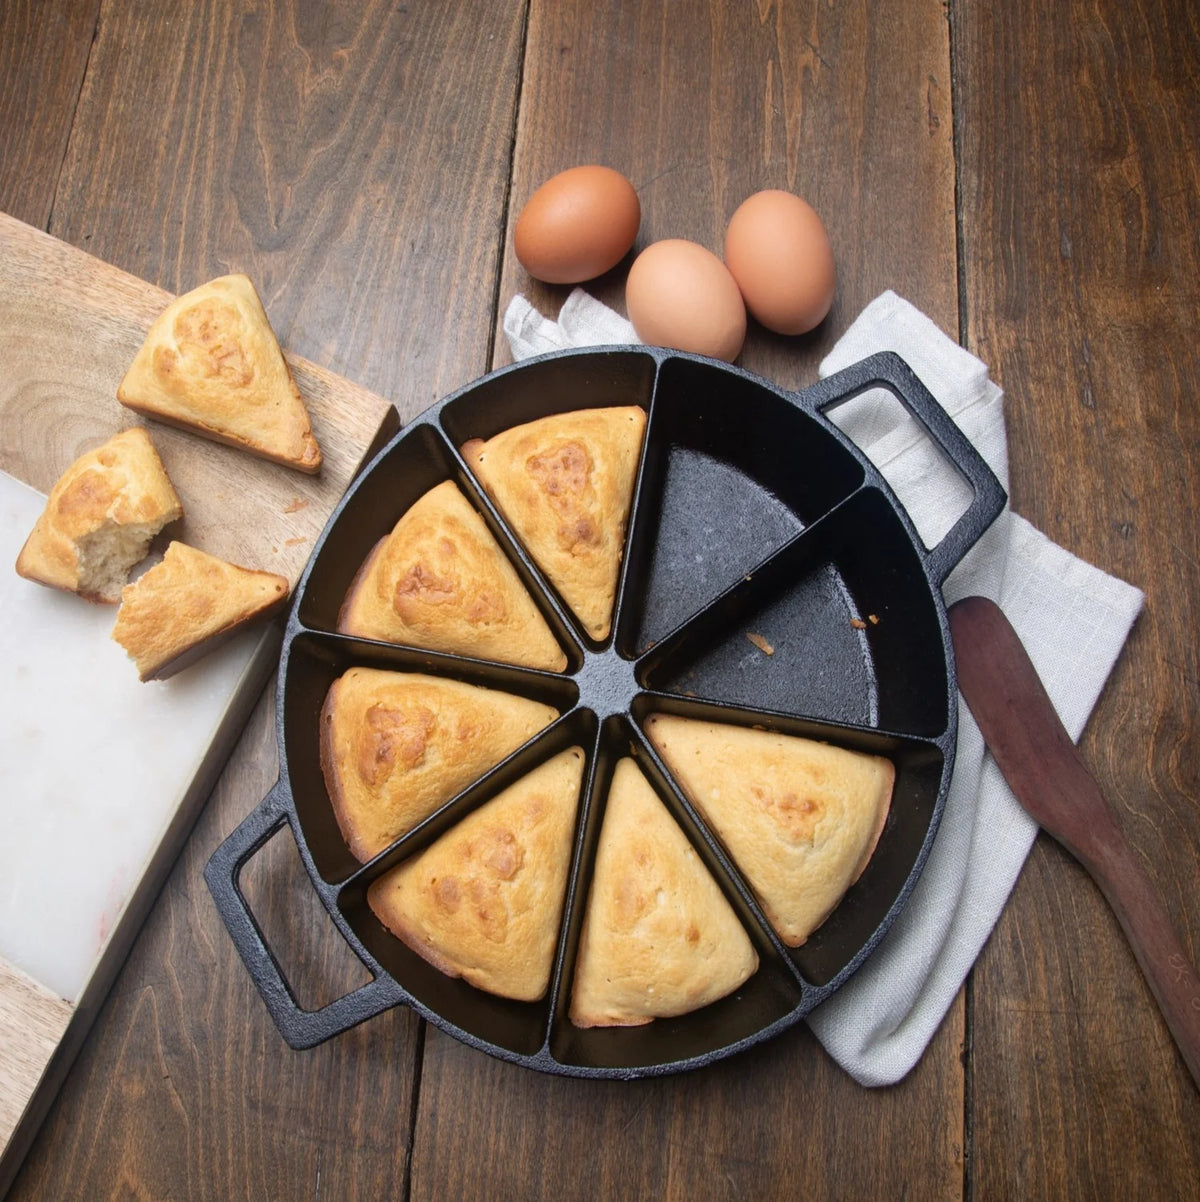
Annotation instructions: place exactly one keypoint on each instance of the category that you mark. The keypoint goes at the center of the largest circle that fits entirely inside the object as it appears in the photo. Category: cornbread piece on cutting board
(484, 902)
(100, 519)
(799, 817)
(440, 580)
(187, 605)
(564, 483)
(659, 937)
(211, 363)
(396, 745)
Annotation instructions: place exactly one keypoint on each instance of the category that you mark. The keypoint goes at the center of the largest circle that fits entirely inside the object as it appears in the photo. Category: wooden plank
(700, 110)
(1081, 258)
(725, 100)
(69, 326)
(278, 140)
(758, 1125)
(43, 56)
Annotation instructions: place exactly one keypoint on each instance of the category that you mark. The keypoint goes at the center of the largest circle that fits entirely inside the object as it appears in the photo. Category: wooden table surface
(1026, 173)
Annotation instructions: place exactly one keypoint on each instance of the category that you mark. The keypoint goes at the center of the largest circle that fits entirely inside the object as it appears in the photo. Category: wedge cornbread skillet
(769, 578)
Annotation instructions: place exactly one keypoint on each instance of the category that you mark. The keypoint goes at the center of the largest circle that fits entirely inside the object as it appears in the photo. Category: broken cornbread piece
(188, 605)
(100, 518)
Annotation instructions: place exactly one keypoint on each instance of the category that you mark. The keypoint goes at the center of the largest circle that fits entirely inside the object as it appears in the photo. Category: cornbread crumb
(761, 643)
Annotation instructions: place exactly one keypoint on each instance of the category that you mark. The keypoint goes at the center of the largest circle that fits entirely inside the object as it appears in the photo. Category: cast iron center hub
(607, 683)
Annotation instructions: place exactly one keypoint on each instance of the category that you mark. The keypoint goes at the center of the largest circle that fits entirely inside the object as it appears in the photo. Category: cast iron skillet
(752, 514)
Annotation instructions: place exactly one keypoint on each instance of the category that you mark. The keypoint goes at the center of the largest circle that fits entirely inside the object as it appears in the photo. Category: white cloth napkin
(1072, 617)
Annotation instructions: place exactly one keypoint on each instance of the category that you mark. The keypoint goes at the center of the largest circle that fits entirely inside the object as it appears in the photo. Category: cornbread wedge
(187, 605)
(440, 580)
(211, 363)
(396, 745)
(484, 902)
(565, 483)
(659, 938)
(799, 817)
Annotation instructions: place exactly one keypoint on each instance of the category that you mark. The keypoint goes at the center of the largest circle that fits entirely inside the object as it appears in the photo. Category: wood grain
(756, 1126)
(365, 163)
(43, 56)
(697, 129)
(1078, 173)
(1048, 776)
(847, 105)
(185, 1088)
(353, 159)
(69, 326)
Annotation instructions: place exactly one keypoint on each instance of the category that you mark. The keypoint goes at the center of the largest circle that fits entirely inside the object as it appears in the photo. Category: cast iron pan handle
(300, 1028)
(888, 370)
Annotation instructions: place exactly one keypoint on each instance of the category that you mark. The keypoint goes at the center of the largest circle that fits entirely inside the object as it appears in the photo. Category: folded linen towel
(1072, 617)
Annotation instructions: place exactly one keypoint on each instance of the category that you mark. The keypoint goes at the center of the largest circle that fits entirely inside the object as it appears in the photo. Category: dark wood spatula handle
(1046, 772)
(1159, 950)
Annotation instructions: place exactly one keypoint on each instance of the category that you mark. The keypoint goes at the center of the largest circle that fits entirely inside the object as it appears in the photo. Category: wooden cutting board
(102, 777)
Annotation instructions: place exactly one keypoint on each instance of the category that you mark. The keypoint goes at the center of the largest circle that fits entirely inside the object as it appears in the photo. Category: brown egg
(680, 295)
(778, 251)
(577, 225)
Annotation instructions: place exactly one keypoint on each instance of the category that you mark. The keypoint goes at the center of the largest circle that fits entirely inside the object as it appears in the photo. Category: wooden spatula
(1048, 776)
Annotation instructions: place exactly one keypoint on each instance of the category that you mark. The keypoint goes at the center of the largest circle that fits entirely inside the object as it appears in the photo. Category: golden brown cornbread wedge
(658, 938)
(564, 483)
(440, 580)
(484, 902)
(396, 745)
(799, 817)
(211, 363)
